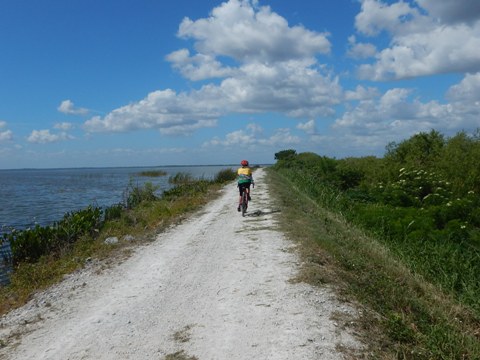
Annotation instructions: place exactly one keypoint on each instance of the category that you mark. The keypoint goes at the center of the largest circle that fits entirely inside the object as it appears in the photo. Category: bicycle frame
(244, 204)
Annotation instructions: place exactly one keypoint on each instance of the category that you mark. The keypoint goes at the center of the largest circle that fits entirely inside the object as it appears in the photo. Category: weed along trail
(217, 286)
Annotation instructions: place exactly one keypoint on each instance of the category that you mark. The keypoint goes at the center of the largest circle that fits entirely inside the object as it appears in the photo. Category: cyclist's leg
(248, 192)
(240, 188)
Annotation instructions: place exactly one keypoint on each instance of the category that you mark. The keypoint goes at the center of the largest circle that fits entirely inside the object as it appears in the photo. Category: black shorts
(243, 186)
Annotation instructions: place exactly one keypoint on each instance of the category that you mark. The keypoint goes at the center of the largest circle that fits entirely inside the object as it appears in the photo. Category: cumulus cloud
(253, 136)
(452, 11)
(309, 127)
(421, 44)
(238, 30)
(281, 137)
(263, 64)
(67, 107)
(396, 115)
(63, 126)
(361, 93)
(45, 136)
(199, 66)
(360, 50)
(387, 114)
(468, 90)
(377, 16)
(6, 135)
(162, 109)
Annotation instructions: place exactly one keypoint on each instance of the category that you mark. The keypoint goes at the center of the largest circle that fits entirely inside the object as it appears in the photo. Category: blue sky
(151, 82)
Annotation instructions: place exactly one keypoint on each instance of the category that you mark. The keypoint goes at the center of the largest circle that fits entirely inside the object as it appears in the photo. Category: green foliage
(285, 154)
(460, 163)
(225, 176)
(135, 195)
(181, 178)
(186, 189)
(114, 212)
(31, 244)
(420, 151)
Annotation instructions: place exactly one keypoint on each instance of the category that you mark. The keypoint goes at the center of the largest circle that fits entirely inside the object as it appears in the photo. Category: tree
(422, 150)
(285, 154)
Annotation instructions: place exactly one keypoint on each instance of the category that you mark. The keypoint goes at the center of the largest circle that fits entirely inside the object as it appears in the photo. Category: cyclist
(244, 180)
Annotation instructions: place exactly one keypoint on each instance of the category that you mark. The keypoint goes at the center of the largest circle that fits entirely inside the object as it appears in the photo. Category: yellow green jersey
(244, 175)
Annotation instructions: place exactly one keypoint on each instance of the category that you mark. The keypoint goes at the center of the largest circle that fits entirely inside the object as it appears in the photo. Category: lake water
(30, 197)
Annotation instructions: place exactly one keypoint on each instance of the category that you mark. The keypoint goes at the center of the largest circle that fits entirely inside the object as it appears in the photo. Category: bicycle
(244, 204)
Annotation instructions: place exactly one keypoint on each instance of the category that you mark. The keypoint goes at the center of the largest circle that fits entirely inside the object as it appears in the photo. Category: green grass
(404, 316)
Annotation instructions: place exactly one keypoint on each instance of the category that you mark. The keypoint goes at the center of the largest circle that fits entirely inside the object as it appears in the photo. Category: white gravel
(215, 287)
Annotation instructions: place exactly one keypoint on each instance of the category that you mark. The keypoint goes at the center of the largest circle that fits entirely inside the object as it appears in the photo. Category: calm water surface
(30, 197)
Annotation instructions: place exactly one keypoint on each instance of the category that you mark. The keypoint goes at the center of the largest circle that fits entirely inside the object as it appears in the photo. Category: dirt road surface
(217, 286)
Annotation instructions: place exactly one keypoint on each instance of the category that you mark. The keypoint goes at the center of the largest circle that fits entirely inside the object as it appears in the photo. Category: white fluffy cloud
(421, 44)
(63, 126)
(162, 109)
(67, 107)
(396, 115)
(361, 93)
(45, 136)
(467, 91)
(238, 30)
(309, 127)
(6, 135)
(360, 50)
(271, 67)
(253, 135)
(199, 66)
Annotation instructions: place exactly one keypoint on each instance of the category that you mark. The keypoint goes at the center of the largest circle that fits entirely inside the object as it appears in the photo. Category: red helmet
(244, 163)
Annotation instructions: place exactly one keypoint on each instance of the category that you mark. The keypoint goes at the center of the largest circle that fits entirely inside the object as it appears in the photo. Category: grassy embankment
(400, 235)
(43, 255)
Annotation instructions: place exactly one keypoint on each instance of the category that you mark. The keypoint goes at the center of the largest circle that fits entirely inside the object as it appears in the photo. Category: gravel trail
(216, 286)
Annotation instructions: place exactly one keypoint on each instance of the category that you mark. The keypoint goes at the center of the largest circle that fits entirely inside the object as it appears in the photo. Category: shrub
(181, 178)
(135, 195)
(114, 212)
(224, 176)
(186, 189)
(31, 244)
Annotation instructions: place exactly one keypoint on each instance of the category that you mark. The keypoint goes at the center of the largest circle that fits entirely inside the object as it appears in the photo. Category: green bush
(225, 176)
(114, 212)
(31, 244)
(135, 195)
(186, 189)
(181, 178)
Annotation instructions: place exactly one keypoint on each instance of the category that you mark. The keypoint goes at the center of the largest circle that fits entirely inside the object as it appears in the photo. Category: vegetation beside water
(43, 255)
(153, 173)
(416, 262)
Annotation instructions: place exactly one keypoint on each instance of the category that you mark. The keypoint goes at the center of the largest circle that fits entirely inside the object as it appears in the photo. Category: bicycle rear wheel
(244, 203)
